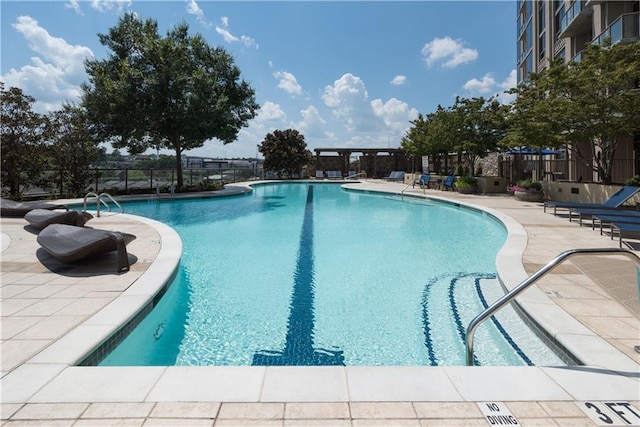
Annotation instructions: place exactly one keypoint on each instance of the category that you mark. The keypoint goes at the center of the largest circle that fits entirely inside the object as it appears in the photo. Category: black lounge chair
(69, 243)
(11, 208)
(40, 218)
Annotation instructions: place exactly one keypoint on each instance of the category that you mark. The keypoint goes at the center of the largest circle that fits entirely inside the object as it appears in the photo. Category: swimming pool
(312, 274)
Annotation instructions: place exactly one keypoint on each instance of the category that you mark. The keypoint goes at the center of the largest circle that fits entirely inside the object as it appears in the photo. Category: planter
(529, 196)
(471, 189)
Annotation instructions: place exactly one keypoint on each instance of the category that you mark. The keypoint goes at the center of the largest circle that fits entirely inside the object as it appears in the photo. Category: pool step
(449, 303)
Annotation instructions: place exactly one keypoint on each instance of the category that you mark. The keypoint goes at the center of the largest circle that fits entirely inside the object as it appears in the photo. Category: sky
(342, 73)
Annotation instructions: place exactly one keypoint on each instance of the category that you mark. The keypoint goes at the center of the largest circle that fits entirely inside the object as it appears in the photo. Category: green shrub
(466, 181)
(633, 181)
(530, 184)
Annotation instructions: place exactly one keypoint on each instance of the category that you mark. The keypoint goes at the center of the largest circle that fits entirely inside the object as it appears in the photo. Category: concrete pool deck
(53, 315)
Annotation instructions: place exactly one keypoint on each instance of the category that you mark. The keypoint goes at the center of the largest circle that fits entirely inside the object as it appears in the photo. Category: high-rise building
(563, 28)
(550, 29)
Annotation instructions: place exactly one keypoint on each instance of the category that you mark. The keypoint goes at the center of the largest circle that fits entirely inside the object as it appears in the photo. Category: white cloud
(270, 111)
(312, 124)
(194, 9)
(510, 82)
(395, 114)
(55, 74)
(346, 91)
(488, 86)
(249, 42)
(349, 99)
(288, 82)
(483, 87)
(109, 5)
(450, 53)
(399, 80)
(226, 35)
(73, 4)
(350, 102)
(230, 38)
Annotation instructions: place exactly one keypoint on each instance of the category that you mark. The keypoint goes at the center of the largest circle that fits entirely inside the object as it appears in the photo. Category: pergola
(368, 158)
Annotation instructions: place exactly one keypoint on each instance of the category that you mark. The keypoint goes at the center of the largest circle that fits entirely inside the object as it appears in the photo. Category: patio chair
(613, 202)
(319, 174)
(69, 243)
(448, 183)
(334, 174)
(11, 208)
(423, 181)
(40, 218)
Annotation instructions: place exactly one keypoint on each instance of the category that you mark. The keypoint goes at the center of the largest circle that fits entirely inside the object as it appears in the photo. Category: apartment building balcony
(625, 29)
(576, 20)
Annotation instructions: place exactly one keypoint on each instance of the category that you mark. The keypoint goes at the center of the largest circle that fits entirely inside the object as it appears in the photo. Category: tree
(431, 136)
(591, 103)
(477, 125)
(175, 92)
(21, 142)
(73, 148)
(285, 151)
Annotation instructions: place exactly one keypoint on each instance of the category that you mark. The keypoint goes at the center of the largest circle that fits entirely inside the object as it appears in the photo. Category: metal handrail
(509, 296)
(362, 174)
(99, 200)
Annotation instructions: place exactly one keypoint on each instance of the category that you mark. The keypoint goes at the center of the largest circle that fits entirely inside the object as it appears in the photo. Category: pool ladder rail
(100, 201)
(362, 174)
(509, 296)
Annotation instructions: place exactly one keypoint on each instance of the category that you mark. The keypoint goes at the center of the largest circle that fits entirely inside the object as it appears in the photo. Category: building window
(542, 45)
(558, 20)
(541, 16)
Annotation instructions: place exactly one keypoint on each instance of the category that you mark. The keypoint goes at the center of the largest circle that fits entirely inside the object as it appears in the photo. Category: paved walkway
(53, 314)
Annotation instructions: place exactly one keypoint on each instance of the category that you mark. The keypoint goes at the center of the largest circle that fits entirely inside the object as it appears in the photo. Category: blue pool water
(312, 274)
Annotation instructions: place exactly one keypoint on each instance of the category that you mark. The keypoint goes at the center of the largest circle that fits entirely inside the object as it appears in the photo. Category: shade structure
(532, 151)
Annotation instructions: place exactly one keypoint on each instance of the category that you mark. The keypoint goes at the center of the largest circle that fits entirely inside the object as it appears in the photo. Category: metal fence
(137, 181)
(516, 169)
(163, 180)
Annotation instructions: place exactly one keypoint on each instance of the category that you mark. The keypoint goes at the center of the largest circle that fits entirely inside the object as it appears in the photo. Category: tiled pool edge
(88, 336)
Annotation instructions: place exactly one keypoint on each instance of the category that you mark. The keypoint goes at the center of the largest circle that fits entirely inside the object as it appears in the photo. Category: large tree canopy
(73, 149)
(478, 126)
(174, 92)
(285, 151)
(472, 127)
(21, 141)
(592, 101)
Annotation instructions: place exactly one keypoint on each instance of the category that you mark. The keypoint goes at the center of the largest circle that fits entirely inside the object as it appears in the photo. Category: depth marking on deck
(497, 414)
(616, 413)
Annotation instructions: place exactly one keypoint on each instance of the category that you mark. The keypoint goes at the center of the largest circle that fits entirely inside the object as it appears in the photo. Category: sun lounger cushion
(11, 208)
(40, 218)
(69, 243)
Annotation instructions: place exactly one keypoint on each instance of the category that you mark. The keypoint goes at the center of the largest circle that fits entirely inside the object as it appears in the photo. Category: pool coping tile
(400, 383)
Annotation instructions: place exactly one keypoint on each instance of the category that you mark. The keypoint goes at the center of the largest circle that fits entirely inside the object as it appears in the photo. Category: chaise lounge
(69, 243)
(11, 208)
(396, 176)
(613, 202)
(40, 218)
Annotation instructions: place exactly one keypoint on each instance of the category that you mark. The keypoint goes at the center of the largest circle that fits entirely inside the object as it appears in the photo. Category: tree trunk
(179, 168)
